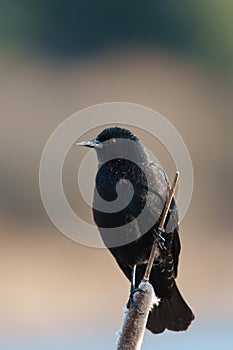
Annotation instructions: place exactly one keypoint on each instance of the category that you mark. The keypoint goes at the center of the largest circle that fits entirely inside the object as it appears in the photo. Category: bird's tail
(173, 314)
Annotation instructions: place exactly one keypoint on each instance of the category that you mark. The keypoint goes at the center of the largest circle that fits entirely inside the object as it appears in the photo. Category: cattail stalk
(134, 323)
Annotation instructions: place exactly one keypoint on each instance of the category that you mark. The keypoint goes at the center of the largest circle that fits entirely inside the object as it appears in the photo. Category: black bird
(123, 160)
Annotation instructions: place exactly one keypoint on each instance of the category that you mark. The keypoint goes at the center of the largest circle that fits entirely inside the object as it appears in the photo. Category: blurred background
(59, 57)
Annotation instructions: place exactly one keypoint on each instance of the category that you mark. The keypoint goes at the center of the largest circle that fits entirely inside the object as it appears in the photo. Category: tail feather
(173, 314)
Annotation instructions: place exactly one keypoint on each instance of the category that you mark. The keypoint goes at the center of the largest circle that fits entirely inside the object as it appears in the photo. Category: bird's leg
(159, 238)
(133, 290)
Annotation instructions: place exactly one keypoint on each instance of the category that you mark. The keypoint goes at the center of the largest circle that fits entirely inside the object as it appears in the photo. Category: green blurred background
(58, 57)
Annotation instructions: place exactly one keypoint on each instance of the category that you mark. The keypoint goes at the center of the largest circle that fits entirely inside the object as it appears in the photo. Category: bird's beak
(92, 143)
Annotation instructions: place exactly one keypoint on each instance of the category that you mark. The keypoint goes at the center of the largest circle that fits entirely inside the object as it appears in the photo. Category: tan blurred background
(51, 286)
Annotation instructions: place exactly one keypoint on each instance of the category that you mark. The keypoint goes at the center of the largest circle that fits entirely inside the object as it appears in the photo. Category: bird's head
(114, 142)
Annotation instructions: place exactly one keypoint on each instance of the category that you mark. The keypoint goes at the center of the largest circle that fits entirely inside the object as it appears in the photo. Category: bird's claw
(159, 238)
(131, 301)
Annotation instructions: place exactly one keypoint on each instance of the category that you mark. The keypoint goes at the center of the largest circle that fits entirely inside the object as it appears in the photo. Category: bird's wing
(171, 224)
(176, 250)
